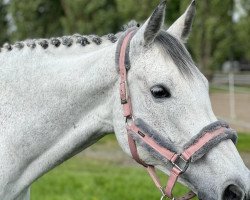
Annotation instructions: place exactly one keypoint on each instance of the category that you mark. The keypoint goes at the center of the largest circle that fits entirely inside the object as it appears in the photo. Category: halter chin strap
(180, 161)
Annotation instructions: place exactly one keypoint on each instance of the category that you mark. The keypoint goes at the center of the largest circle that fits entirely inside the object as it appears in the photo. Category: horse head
(165, 97)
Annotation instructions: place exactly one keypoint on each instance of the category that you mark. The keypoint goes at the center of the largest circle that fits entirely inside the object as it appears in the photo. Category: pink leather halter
(179, 161)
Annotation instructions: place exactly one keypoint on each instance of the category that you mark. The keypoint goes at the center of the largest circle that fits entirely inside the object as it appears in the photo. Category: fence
(239, 79)
(230, 96)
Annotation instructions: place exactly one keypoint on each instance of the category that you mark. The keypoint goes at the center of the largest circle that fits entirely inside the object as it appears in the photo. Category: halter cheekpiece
(217, 131)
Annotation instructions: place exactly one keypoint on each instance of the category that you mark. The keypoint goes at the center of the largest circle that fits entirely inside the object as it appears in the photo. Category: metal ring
(165, 197)
(129, 120)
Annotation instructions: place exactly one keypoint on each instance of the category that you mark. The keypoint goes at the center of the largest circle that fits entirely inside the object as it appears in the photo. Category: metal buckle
(124, 101)
(164, 196)
(129, 120)
(125, 85)
(181, 163)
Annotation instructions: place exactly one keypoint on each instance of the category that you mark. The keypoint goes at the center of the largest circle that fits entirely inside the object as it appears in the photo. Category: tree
(140, 10)
(36, 18)
(88, 17)
(3, 23)
(212, 36)
(242, 29)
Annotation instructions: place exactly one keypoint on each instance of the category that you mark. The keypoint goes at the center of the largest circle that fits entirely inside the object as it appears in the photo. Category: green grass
(225, 89)
(244, 142)
(85, 179)
(97, 179)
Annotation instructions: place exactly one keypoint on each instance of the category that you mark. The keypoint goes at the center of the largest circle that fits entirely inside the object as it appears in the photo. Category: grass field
(85, 178)
(80, 179)
(225, 89)
(244, 142)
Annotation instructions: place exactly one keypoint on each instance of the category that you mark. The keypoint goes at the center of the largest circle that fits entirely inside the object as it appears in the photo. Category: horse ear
(183, 25)
(149, 30)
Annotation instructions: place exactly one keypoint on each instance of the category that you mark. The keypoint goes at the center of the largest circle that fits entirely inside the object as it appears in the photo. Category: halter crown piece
(210, 135)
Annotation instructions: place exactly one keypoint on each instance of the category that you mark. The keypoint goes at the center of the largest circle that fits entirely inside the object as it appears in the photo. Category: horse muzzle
(231, 192)
(230, 182)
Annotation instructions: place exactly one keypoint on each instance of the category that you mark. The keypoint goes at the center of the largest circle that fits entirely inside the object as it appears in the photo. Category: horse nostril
(233, 192)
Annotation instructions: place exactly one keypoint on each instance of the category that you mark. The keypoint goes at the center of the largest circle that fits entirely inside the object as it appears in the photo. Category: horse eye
(159, 91)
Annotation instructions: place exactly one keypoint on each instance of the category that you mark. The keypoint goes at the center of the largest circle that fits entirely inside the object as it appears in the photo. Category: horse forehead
(155, 64)
(167, 74)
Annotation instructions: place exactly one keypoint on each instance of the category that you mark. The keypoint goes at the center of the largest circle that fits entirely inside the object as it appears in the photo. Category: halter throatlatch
(194, 150)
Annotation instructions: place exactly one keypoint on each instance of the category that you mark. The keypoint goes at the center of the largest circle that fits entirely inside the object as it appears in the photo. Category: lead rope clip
(164, 196)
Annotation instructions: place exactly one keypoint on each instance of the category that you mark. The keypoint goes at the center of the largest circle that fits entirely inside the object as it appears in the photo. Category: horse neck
(62, 103)
(74, 75)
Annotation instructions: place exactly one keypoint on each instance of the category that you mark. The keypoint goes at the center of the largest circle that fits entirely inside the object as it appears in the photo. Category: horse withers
(60, 95)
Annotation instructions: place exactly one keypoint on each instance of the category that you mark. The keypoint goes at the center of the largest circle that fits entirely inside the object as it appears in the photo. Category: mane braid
(67, 41)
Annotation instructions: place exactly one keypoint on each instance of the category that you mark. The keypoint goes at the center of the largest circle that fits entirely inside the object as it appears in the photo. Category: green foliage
(84, 16)
(140, 10)
(36, 18)
(3, 23)
(243, 33)
(212, 34)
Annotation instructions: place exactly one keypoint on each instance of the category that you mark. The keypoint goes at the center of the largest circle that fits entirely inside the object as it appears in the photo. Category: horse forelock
(178, 53)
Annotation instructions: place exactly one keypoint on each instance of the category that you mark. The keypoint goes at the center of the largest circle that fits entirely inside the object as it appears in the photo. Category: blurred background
(219, 44)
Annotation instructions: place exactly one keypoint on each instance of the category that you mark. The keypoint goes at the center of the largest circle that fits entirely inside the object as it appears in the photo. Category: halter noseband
(210, 135)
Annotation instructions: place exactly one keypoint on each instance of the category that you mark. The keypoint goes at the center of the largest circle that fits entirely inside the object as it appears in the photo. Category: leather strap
(125, 101)
(187, 154)
(174, 174)
(149, 141)
(169, 155)
(133, 150)
(153, 175)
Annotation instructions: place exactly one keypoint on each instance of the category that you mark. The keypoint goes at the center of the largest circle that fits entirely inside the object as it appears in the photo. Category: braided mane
(56, 42)
(68, 41)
